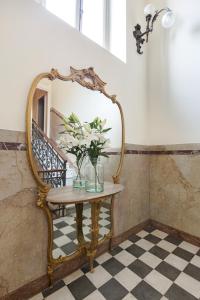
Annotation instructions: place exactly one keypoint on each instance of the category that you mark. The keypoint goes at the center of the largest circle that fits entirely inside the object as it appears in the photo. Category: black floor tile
(134, 238)
(60, 224)
(113, 266)
(173, 239)
(115, 250)
(183, 254)
(57, 234)
(74, 225)
(140, 268)
(143, 291)
(159, 252)
(69, 248)
(72, 235)
(55, 287)
(152, 238)
(168, 270)
(54, 246)
(198, 253)
(81, 288)
(177, 293)
(135, 250)
(113, 290)
(193, 271)
(86, 267)
(149, 228)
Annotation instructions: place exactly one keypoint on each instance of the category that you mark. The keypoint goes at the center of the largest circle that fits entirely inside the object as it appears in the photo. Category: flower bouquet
(86, 140)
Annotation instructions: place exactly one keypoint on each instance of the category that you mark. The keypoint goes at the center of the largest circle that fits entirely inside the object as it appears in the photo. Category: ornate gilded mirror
(51, 100)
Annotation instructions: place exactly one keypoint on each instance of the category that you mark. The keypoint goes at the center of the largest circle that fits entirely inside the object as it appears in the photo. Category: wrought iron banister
(52, 162)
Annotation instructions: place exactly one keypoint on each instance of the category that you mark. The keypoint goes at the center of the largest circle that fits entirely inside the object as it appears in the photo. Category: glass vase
(94, 176)
(79, 180)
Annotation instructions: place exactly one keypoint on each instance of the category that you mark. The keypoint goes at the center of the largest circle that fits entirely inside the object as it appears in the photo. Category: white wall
(68, 97)
(174, 76)
(33, 41)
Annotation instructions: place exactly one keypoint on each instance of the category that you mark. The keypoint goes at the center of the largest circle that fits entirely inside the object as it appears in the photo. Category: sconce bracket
(139, 35)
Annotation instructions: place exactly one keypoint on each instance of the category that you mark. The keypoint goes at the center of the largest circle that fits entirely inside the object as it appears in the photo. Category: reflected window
(103, 21)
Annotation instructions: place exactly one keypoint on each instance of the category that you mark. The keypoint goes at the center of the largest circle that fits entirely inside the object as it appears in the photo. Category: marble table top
(68, 195)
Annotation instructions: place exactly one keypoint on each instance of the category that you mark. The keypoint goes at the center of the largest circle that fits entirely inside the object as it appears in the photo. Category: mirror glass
(52, 102)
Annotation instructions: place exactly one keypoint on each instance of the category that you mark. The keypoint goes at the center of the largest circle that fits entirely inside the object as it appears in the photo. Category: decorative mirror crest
(81, 76)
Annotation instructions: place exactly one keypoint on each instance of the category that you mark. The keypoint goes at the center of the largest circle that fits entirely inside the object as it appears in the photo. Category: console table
(68, 195)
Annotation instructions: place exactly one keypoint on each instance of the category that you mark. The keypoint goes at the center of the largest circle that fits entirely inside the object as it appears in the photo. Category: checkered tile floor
(150, 265)
(65, 241)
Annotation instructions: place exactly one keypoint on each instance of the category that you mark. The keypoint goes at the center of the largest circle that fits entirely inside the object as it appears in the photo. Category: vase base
(79, 184)
(94, 189)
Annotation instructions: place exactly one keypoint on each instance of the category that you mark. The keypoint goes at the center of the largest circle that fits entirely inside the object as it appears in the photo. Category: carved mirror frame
(90, 80)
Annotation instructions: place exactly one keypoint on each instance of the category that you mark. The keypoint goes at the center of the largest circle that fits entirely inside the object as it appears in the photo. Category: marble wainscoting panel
(175, 188)
(23, 226)
(12, 136)
(131, 207)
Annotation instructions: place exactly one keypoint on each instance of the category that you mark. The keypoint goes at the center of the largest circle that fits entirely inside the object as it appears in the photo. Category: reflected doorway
(40, 108)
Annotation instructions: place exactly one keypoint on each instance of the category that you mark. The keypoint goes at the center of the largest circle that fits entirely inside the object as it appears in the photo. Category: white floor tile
(142, 233)
(37, 297)
(125, 244)
(87, 222)
(96, 295)
(58, 252)
(159, 234)
(158, 281)
(146, 245)
(86, 230)
(56, 221)
(189, 247)
(125, 258)
(104, 215)
(70, 220)
(75, 275)
(166, 246)
(87, 212)
(150, 259)
(103, 230)
(196, 261)
(62, 294)
(176, 261)
(62, 240)
(104, 257)
(99, 276)
(67, 229)
(128, 279)
(189, 284)
(104, 222)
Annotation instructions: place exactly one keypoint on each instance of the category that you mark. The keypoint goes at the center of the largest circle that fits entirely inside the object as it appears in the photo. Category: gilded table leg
(50, 274)
(79, 224)
(91, 252)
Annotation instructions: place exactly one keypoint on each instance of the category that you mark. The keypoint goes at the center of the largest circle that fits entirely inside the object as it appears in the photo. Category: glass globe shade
(149, 9)
(168, 19)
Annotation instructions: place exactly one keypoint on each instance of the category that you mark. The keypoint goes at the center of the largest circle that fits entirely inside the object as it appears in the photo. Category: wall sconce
(151, 15)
